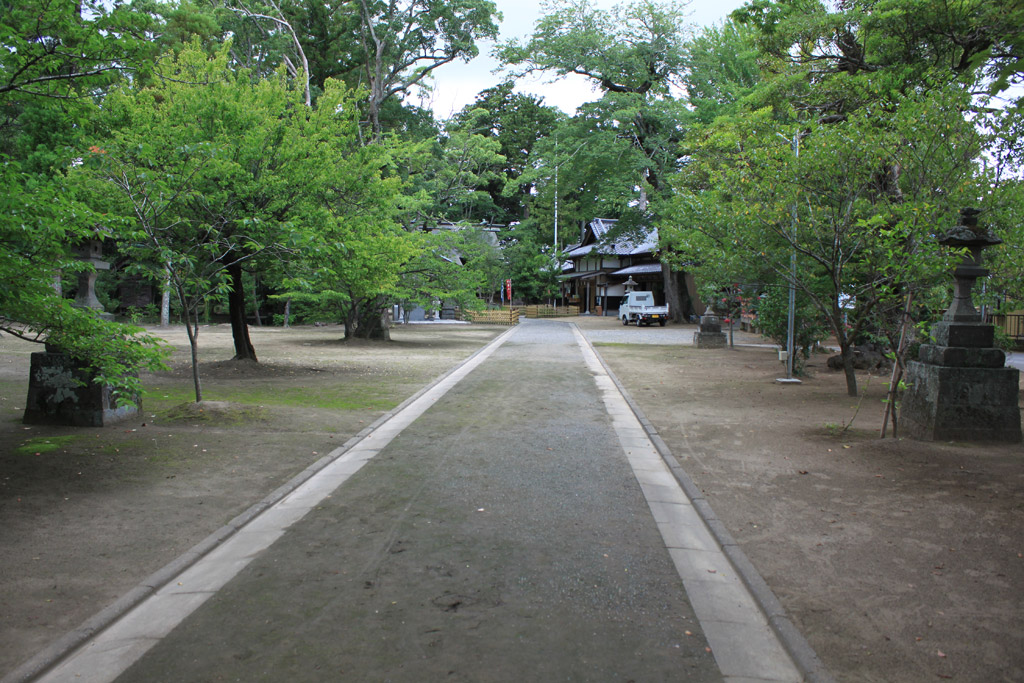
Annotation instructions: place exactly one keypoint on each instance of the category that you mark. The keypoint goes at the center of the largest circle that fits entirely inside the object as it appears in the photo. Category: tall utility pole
(791, 321)
(556, 193)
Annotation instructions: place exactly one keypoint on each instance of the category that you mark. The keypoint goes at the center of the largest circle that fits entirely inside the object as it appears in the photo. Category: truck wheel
(625, 321)
(639, 322)
(662, 323)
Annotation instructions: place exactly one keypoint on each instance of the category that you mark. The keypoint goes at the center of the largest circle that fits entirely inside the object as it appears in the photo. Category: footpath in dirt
(483, 532)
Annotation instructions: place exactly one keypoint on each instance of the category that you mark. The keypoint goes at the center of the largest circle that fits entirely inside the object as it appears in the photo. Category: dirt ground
(898, 560)
(86, 514)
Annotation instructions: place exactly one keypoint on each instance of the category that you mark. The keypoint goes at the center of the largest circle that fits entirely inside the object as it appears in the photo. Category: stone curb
(803, 655)
(56, 651)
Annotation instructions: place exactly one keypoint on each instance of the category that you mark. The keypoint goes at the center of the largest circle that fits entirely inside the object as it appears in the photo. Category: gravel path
(671, 334)
(513, 520)
(501, 536)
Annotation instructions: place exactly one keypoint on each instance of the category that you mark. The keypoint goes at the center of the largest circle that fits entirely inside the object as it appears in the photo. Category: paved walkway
(512, 522)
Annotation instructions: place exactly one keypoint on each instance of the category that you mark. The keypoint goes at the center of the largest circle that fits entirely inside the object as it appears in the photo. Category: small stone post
(959, 388)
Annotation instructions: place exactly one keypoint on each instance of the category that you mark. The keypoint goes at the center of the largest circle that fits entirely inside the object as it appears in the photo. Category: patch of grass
(44, 444)
(174, 394)
(835, 430)
(221, 413)
(335, 396)
(338, 396)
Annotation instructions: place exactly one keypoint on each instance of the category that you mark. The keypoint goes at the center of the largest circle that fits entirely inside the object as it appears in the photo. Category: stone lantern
(709, 334)
(959, 388)
(61, 389)
(91, 252)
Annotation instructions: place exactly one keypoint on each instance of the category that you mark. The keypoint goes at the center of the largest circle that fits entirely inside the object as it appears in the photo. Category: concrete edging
(56, 651)
(803, 655)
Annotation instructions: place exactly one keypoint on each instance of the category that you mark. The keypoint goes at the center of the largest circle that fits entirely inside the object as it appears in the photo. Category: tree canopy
(223, 146)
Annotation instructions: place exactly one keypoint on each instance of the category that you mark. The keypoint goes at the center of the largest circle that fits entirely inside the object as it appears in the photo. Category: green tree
(773, 322)
(355, 265)
(720, 68)
(214, 171)
(404, 41)
(454, 266)
(450, 174)
(531, 265)
(54, 57)
(634, 53)
(39, 219)
(633, 48)
(615, 156)
(58, 49)
(517, 122)
(865, 51)
(827, 65)
(853, 233)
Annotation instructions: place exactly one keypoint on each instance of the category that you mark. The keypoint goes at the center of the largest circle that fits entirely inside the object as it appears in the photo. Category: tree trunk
(192, 330)
(165, 303)
(694, 305)
(256, 302)
(236, 310)
(674, 297)
(373, 324)
(846, 350)
(287, 311)
(351, 315)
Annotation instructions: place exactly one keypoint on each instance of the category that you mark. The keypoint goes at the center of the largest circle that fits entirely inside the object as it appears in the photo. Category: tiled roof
(581, 251)
(642, 269)
(623, 246)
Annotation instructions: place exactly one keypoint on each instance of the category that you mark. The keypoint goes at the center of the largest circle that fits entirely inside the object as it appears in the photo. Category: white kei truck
(639, 308)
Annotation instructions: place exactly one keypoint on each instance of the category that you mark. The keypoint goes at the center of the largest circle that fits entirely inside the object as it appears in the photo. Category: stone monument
(709, 334)
(61, 391)
(959, 388)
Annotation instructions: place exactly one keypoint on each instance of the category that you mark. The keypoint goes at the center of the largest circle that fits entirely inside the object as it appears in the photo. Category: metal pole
(791, 320)
(556, 192)
(792, 281)
(792, 317)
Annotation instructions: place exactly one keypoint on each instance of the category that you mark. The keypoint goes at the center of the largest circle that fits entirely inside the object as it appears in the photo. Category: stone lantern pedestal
(61, 392)
(709, 334)
(959, 388)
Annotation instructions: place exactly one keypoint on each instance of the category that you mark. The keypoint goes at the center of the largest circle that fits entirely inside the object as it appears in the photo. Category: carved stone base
(710, 340)
(944, 403)
(62, 393)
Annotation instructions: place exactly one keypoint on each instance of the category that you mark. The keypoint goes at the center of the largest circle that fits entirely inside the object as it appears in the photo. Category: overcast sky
(457, 84)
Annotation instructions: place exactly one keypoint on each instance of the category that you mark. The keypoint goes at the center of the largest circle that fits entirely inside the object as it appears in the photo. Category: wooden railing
(493, 316)
(504, 316)
(550, 311)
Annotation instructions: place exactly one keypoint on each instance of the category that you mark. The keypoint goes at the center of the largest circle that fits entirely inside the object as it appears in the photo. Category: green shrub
(773, 320)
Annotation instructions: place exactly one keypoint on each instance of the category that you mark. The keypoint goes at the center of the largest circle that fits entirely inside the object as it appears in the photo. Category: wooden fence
(550, 311)
(504, 316)
(1012, 324)
(493, 316)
